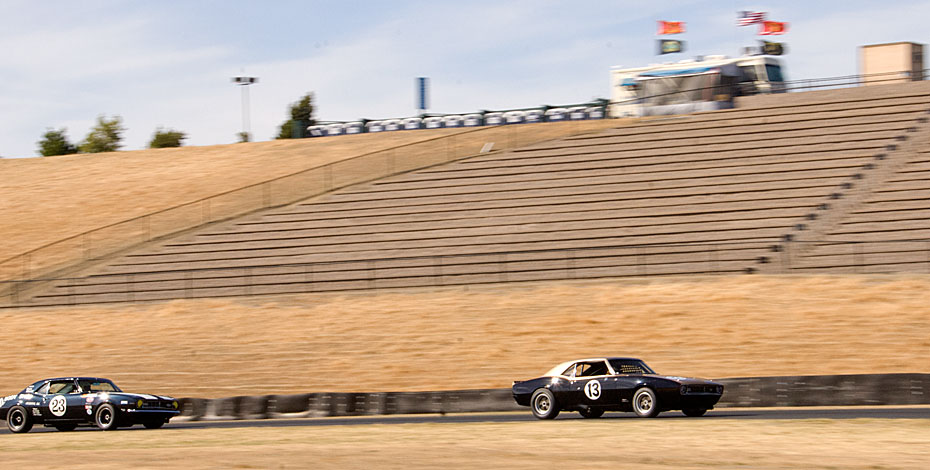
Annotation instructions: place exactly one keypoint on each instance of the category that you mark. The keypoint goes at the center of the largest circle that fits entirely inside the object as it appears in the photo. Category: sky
(169, 63)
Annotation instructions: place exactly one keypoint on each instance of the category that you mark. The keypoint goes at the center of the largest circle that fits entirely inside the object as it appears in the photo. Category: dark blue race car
(593, 386)
(68, 402)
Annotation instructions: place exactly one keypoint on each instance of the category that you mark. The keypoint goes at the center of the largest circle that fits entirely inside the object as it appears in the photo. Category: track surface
(798, 413)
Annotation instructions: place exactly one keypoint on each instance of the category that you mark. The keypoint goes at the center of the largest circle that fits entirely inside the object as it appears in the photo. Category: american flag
(747, 18)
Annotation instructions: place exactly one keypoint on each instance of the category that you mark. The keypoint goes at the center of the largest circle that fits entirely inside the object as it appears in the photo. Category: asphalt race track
(793, 413)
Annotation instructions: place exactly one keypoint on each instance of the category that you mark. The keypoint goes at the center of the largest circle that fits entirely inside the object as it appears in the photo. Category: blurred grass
(606, 443)
(477, 337)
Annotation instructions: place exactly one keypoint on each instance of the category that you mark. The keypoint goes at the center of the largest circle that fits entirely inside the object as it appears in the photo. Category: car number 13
(592, 389)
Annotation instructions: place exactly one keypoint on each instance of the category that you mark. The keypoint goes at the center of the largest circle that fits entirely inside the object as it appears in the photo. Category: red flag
(671, 27)
(773, 27)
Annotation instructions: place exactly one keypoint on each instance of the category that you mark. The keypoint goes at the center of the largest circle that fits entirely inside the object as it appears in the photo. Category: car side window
(61, 387)
(595, 368)
(43, 390)
(570, 372)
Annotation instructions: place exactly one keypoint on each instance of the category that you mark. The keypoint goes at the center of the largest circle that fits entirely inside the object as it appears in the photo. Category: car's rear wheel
(153, 424)
(592, 412)
(694, 412)
(106, 417)
(18, 419)
(544, 405)
(645, 403)
(66, 427)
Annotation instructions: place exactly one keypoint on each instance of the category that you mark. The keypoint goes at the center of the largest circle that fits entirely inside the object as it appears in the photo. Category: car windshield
(630, 366)
(100, 385)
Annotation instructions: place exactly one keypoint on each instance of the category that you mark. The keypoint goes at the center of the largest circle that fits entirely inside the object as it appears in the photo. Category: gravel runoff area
(591, 444)
(477, 337)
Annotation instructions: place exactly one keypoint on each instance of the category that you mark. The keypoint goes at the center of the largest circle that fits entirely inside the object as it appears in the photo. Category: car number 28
(592, 389)
(58, 405)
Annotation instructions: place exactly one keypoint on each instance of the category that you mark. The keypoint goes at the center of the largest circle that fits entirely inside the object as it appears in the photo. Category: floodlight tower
(244, 82)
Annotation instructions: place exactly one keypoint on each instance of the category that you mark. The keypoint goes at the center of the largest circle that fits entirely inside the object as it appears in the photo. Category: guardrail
(811, 390)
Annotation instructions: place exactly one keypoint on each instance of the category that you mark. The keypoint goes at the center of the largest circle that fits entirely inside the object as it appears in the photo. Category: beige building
(891, 63)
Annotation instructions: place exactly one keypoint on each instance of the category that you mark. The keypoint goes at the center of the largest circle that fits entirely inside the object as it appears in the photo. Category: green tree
(167, 138)
(105, 136)
(301, 118)
(55, 142)
(244, 137)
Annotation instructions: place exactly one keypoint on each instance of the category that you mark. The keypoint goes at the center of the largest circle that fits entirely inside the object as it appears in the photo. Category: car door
(64, 401)
(564, 388)
(593, 383)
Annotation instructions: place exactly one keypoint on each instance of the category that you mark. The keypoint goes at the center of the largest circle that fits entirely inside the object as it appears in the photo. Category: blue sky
(169, 63)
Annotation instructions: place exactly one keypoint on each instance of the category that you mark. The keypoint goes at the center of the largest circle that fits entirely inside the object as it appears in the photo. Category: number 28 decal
(592, 389)
(58, 405)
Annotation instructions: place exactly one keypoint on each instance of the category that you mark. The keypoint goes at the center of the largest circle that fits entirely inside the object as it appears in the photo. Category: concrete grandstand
(781, 184)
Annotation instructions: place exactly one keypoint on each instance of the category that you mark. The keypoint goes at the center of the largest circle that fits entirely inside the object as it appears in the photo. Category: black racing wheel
(543, 404)
(106, 417)
(645, 403)
(18, 419)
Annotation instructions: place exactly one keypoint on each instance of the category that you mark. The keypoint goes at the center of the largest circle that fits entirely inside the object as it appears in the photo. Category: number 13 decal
(592, 389)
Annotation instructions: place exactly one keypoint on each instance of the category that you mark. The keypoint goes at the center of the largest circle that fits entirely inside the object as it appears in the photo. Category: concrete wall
(816, 390)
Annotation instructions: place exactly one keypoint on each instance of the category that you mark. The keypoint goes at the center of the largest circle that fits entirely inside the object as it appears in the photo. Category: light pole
(244, 82)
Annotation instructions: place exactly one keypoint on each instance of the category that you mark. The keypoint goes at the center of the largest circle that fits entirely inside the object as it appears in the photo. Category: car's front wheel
(18, 419)
(694, 412)
(645, 403)
(544, 405)
(106, 417)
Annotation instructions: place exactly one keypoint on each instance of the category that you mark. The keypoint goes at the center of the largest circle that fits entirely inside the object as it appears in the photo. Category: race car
(68, 402)
(593, 386)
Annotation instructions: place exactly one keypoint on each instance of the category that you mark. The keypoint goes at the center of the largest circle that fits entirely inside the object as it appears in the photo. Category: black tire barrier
(811, 390)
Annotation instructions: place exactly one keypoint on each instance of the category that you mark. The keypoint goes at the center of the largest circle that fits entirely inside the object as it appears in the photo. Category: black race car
(593, 386)
(69, 402)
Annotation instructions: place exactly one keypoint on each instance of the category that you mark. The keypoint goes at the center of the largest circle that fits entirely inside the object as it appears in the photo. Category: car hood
(683, 380)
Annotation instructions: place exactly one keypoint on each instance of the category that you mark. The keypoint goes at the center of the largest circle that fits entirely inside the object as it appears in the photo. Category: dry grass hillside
(478, 337)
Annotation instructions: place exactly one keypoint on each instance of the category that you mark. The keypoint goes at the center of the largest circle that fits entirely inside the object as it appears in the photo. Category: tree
(244, 137)
(167, 138)
(105, 136)
(301, 118)
(55, 142)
